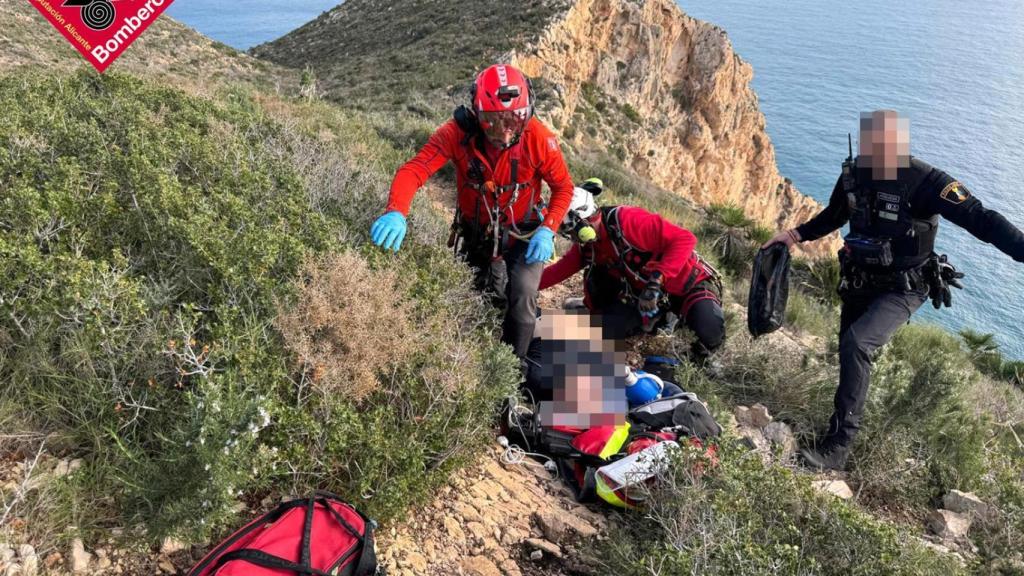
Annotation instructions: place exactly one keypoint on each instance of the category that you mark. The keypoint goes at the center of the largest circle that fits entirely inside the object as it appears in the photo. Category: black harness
(630, 261)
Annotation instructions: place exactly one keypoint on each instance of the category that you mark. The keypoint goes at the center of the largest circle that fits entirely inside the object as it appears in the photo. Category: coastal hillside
(168, 50)
(194, 326)
(637, 83)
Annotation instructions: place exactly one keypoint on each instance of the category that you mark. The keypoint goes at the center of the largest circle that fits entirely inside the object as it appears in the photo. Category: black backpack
(769, 290)
(683, 413)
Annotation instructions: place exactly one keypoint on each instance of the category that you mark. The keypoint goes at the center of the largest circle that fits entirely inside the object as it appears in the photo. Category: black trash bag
(769, 290)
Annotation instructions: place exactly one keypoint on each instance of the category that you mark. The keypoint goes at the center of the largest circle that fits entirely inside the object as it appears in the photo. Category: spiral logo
(100, 29)
(99, 14)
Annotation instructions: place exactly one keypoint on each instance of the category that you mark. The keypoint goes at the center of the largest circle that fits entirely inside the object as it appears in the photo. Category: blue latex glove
(388, 231)
(542, 246)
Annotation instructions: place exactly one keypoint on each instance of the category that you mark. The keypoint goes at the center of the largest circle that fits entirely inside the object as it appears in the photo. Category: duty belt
(854, 280)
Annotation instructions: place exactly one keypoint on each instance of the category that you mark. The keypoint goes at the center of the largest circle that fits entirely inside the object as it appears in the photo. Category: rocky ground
(493, 519)
(496, 520)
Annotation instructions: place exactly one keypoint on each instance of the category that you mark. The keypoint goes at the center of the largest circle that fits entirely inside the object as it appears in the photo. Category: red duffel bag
(316, 536)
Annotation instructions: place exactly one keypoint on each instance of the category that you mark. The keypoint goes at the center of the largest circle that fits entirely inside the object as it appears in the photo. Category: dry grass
(348, 324)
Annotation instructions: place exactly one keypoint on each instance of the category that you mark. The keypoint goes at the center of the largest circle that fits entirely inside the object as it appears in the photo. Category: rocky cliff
(639, 80)
(676, 101)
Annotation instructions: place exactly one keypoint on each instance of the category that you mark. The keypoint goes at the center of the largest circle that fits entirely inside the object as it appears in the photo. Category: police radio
(860, 213)
(849, 182)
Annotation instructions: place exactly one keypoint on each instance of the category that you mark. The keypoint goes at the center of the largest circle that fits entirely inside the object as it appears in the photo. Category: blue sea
(243, 24)
(953, 67)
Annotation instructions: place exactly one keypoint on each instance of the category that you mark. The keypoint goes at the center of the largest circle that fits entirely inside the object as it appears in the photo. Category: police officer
(892, 202)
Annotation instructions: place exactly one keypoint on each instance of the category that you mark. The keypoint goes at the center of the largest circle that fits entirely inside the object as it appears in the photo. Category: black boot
(829, 454)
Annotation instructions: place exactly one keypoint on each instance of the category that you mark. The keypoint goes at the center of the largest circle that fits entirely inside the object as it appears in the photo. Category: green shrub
(795, 384)
(743, 518)
(148, 240)
(729, 216)
(810, 315)
(918, 417)
(1000, 535)
(986, 357)
(629, 112)
(761, 234)
(728, 233)
(818, 279)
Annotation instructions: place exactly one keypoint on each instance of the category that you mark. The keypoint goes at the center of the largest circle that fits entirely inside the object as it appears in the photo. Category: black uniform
(885, 263)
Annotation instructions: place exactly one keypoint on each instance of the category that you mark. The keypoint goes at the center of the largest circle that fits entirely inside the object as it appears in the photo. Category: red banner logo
(101, 29)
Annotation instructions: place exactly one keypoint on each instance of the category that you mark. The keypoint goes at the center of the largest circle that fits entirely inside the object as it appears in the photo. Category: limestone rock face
(675, 104)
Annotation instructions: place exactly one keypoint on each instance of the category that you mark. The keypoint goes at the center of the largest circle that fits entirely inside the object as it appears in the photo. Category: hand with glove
(388, 231)
(648, 301)
(946, 275)
(542, 246)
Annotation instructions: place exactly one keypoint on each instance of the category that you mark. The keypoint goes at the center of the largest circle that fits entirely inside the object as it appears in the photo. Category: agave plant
(983, 350)
(727, 231)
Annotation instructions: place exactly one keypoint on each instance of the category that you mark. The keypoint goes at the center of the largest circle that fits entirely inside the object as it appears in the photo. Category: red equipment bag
(316, 536)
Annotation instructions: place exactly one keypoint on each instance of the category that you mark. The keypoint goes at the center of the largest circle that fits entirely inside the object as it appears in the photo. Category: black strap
(623, 248)
(261, 558)
(341, 519)
(307, 533)
(367, 564)
(267, 518)
(691, 281)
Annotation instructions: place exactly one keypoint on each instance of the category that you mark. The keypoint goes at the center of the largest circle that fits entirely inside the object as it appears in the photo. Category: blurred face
(587, 373)
(884, 143)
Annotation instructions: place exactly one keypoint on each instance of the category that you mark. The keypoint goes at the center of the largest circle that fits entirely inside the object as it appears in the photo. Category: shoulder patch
(552, 143)
(955, 192)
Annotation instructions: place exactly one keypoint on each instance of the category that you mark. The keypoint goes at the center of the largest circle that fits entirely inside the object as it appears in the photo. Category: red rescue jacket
(669, 246)
(484, 182)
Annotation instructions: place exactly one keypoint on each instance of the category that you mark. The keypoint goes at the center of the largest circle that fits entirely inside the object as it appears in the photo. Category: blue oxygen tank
(642, 387)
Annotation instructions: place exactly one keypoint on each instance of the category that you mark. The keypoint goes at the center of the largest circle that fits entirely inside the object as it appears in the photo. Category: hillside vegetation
(376, 54)
(188, 305)
(166, 262)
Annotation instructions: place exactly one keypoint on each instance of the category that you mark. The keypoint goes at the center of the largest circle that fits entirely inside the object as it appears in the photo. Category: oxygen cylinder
(642, 387)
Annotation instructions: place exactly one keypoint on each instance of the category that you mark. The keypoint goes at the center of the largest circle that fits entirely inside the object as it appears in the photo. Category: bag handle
(261, 558)
(215, 554)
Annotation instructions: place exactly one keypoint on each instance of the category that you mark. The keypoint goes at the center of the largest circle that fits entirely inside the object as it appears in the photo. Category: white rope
(514, 455)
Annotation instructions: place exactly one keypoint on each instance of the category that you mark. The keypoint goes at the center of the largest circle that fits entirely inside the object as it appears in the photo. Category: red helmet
(503, 102)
